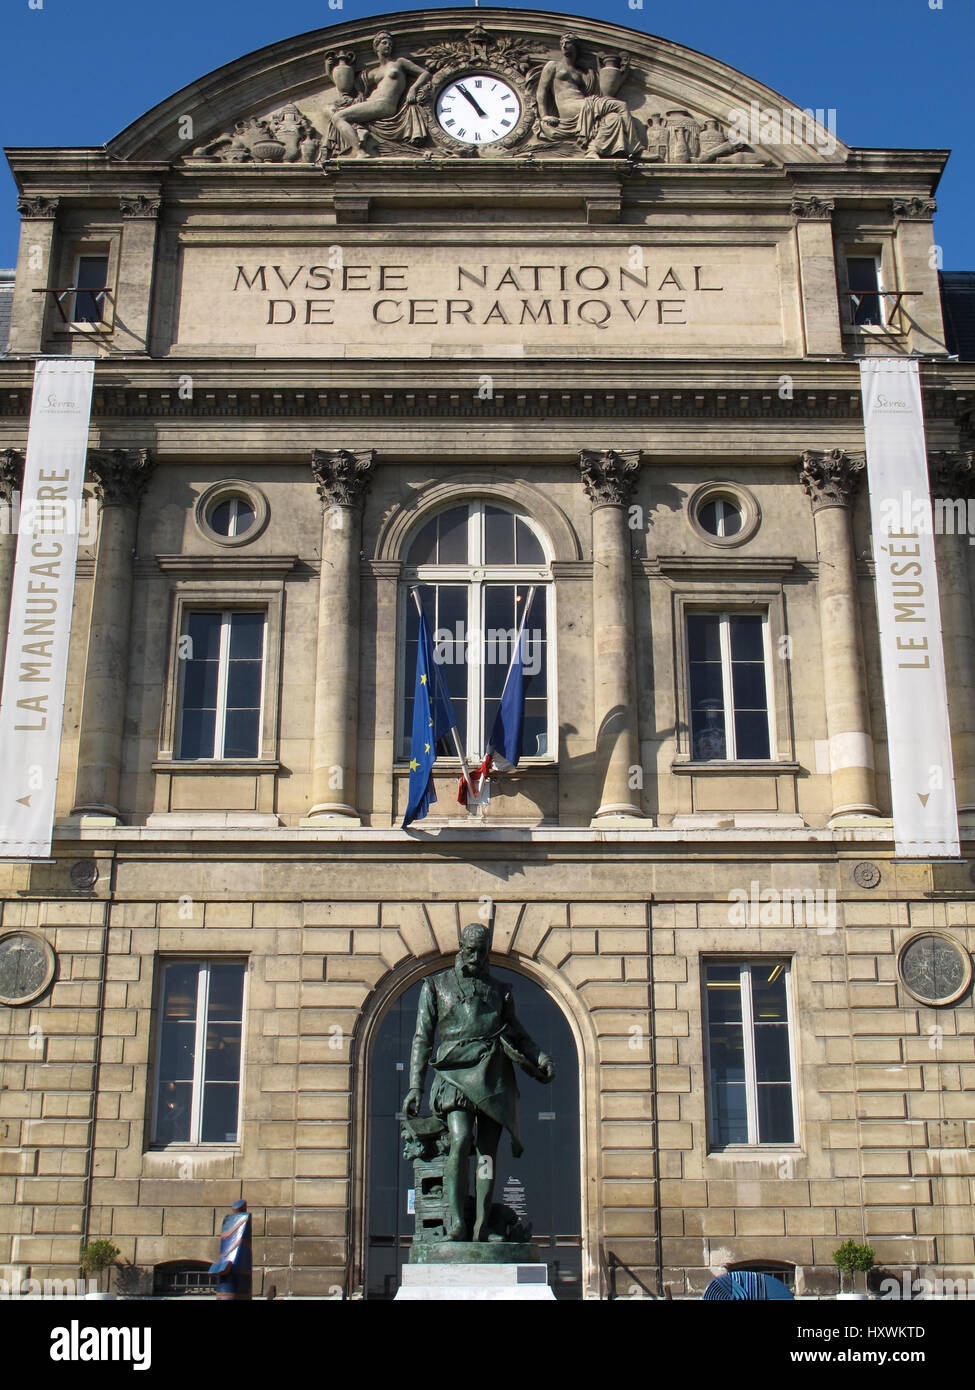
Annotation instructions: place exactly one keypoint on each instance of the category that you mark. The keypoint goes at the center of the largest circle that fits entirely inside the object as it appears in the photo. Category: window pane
(706, 684)
(220, 519)
(203, 630)
(200, 685)
(196, 733)
(775, 1125)
(731, 520)
(452, 608)
(499, 536)
(530, 550)
(226, 994)
(219, 1125)
(173, 1114)
(751, 735)
(244, 685)
(726, 1054)
(747, 643)
(244, 519)
(748, 685)
(535, 736)
(772, 1052)
(452, 549)
(223, 1052)
(92, 274)
(423, 551)
(499, 607)
(769, 1000)
(729, 1114)
(863, 278)
(246, 636)
(703, 636)
(241, 736)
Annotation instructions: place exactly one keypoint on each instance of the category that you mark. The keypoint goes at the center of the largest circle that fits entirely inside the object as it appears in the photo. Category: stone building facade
(602, 342)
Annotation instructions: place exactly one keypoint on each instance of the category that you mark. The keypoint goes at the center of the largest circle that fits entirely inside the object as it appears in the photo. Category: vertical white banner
(912, 656)
(36, 664)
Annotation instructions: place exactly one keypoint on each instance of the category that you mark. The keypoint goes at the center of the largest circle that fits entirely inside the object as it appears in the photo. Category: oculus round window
(231, 512)
(232, 516)
(724, 514)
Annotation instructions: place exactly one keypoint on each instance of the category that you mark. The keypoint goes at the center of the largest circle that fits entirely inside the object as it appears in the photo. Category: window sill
(765, 1151)
(452, 766)
(744, 767)
(216, 765)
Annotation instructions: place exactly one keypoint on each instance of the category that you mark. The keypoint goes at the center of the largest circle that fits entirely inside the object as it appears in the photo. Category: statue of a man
(475, 1091)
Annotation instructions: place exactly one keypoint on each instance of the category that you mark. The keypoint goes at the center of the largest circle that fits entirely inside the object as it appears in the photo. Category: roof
(958, 304)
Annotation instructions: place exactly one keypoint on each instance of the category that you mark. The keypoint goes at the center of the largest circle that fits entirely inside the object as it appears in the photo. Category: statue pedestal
(487, 1280)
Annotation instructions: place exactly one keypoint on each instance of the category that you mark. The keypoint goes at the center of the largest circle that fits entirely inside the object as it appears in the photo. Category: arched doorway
(545, 1179)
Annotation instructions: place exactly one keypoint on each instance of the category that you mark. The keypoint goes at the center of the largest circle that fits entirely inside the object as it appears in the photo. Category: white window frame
(199, 1051)
(107, 315)
(727, 690)
(475, 575)
(746, 965)
(223, 665)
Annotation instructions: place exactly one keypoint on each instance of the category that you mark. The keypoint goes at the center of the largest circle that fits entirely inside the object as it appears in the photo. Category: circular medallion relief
(27, 965)
(866, 875)
(84, 875)
(935, 968)
(479, 108)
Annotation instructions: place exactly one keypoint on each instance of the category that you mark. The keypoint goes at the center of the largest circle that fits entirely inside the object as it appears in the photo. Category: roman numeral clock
(478, 110)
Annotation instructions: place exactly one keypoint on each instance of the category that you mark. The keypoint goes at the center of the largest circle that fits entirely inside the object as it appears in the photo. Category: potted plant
(96, 1256)
(852, 1259)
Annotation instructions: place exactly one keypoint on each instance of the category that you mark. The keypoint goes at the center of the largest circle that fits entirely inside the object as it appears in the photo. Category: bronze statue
(475, 1092)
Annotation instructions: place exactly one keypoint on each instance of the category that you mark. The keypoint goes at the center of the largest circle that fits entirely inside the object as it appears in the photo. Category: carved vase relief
(487, 94)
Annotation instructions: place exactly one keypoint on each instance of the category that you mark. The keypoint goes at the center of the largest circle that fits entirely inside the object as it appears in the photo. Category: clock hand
(464, 92)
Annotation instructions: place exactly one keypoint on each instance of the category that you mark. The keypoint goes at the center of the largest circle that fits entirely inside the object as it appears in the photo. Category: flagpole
(514, 652)
(453, 727)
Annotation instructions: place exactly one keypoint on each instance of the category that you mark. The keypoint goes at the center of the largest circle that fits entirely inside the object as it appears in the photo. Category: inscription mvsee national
(533, 293)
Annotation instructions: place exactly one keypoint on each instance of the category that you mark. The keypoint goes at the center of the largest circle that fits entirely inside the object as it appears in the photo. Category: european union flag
(433, 717)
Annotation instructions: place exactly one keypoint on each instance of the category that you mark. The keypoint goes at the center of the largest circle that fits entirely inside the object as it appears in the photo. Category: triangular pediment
(553, 86)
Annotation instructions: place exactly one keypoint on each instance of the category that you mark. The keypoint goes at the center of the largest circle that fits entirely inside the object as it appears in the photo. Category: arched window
(473, 567)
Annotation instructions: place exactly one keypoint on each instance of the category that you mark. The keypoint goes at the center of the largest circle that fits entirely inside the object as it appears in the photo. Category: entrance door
(543, 1183)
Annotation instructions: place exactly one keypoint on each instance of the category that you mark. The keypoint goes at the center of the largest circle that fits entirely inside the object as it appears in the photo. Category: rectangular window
(201, 1013)
(750, 1053)
(90, 277)
(728, 679)
(473, 628)
(866, 305)
(222, 667)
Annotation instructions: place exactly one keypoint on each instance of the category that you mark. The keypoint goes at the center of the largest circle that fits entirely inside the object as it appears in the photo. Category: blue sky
(897, 72)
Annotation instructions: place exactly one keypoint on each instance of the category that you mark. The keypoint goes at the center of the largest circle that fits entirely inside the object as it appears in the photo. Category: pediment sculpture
(486, 94)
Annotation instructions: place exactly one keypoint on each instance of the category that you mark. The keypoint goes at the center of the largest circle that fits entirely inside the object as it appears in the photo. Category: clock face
(26, 967)
(479, 109)
(935, 969)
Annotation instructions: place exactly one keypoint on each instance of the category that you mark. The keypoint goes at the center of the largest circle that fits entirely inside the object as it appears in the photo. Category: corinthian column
(120, 478)
(953, 479)
(830, 481)
(609, 479)
(11, 481)
(343, 479)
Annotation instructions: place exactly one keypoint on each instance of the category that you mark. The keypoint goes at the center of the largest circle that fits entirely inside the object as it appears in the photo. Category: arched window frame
(476, 574)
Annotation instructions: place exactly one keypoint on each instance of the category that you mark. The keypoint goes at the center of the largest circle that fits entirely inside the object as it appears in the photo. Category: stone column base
(332, 815)
(620, 818)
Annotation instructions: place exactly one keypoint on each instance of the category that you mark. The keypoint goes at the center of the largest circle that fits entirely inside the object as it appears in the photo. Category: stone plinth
(474, 1252)
(467, 1282)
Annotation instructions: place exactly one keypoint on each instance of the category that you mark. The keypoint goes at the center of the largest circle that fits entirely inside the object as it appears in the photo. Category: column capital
(11, 473)
(952, 473)
(830, 478)
(813, 209)
(609, 476)
(343, 476)
(38, 207)
(120, 475)
(139, 205)
(914, 209)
